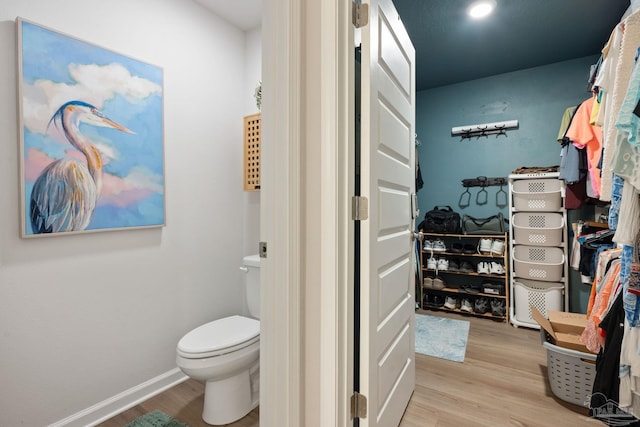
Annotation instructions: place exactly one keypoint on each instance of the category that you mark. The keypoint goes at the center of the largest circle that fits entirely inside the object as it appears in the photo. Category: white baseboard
(108, 408)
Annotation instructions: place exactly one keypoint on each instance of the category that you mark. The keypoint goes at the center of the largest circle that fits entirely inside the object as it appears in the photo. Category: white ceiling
(244, 14)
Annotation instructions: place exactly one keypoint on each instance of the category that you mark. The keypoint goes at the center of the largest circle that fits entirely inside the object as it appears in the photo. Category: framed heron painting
(91, 136)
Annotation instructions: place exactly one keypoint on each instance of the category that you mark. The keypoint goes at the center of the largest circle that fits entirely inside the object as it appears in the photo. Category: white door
(387, 358)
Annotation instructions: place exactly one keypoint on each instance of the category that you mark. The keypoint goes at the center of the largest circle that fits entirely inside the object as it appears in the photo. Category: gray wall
(86, 317)
(536, 97)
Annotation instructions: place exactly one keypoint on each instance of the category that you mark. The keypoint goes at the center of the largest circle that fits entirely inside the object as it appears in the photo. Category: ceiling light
(481, 8)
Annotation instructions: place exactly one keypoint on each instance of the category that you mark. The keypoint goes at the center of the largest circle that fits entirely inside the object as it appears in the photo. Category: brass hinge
(358, 405)
(359, 208)
(360, 14)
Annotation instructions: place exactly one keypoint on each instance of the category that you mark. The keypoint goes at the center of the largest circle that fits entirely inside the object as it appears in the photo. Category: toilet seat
(219, 337)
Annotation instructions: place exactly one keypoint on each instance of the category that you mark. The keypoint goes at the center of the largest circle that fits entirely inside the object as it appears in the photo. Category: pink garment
(592, 336)
(583, 134)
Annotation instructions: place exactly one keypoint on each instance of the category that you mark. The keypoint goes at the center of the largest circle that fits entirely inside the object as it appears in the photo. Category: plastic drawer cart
(538, 246)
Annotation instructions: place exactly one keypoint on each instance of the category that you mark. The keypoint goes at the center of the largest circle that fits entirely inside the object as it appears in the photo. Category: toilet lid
(219, 336)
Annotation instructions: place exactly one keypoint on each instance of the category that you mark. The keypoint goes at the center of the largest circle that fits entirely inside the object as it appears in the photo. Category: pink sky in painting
(116, 191)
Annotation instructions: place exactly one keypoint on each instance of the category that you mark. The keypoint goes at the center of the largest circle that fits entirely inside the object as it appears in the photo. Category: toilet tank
(251, 264)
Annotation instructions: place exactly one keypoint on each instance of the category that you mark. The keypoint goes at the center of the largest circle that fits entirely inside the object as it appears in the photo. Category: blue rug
(441, 337)
(156, 419)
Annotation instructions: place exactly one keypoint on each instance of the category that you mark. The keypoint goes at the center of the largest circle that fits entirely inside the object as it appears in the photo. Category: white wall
(253, 74)
(86, 317)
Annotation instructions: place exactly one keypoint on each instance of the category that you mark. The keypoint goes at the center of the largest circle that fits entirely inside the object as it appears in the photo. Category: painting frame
(91, 136)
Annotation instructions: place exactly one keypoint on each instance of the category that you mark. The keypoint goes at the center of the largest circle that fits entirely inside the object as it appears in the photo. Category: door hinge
(359, 208)
(262, 249)
(358, 405)
(414, 206)
(360, 14)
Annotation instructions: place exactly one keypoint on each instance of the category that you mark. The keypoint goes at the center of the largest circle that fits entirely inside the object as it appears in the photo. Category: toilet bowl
(225, 355)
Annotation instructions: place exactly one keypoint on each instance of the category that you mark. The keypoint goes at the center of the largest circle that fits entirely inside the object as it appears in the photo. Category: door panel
(386, 249)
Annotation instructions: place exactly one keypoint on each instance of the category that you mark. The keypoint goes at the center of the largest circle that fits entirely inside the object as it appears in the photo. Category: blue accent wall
(536, 97)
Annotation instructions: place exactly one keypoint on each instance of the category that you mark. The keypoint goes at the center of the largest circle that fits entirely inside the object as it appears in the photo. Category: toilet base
(228, 400)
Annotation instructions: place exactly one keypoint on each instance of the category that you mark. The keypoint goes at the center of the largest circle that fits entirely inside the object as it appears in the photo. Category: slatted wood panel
(252, 156)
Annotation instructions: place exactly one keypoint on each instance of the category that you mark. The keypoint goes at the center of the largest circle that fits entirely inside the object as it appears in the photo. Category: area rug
(441, 337)
(156, 419)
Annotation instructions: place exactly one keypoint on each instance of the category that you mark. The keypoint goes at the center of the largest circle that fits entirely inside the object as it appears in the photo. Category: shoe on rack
(467, 267)
(497, 247)
(427, 283)
(454, 265)
(466, 305)
(427, 299)
(432, 263)
(484, 246)
(437, 301)
(469, 249)
(471, 288)
(443, 264)
(451, 303)
(457, 248)
(438, 284)
(481, 305)
(483, 267)
(492, 288)
(498, 307)
(496, 268)
(439, 246)
(427, 245)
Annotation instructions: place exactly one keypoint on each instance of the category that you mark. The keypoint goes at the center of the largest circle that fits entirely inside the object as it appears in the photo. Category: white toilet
(225, 355)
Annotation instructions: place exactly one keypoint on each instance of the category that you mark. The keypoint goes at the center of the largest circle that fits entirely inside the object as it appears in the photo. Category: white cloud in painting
(94, 84)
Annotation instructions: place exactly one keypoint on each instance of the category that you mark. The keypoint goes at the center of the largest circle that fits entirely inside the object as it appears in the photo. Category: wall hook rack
(483, 181)
(484, 129)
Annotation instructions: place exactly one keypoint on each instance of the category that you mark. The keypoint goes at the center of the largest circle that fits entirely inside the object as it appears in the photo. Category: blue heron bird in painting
(65, 194)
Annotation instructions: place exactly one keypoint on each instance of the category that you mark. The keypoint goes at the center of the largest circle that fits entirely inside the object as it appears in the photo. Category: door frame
(306, 186)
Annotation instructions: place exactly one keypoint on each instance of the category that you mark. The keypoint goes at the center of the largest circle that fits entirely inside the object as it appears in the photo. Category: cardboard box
(564, 328)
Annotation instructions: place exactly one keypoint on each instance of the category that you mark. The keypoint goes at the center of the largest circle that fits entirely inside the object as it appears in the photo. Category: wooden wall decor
(252, 157)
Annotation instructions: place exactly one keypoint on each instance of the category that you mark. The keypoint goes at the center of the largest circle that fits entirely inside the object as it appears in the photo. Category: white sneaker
(432, 263)
(427, 245)
(497, 247)
(483, 267)
(427, 282)
(439, 246)
(496, 268)
(484, 246)
(451, 303)
(466, 305)
(443, 264)
(438, 284)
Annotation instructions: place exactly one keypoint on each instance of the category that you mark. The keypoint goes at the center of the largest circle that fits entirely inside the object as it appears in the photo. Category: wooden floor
(502, 382)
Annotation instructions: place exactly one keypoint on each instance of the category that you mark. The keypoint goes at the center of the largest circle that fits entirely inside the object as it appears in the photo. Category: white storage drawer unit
(538, 246)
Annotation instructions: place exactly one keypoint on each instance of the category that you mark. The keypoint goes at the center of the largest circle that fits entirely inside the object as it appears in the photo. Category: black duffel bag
(441, 219)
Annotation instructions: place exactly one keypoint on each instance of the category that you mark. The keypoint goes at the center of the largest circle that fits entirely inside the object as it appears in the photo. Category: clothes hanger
(504, 197)
(482, 191)
(468, 194)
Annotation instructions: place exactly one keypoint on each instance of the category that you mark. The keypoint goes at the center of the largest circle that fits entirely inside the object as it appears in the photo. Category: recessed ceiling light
(481, 8)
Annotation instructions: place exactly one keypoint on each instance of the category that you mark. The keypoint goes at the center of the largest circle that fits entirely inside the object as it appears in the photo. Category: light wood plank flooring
(502, 382)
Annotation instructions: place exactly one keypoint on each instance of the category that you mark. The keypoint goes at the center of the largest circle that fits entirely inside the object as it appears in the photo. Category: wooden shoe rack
(457, 283)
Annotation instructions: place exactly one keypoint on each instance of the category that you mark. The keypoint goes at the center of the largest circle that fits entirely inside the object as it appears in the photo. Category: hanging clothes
(585, 135)
(606, 383)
